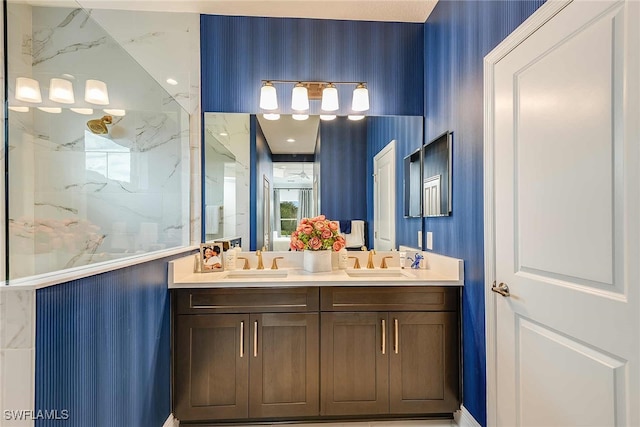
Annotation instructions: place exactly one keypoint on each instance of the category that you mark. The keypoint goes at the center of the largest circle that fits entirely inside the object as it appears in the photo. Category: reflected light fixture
(19, 109)
(268, 97)
(355, 117)
(28, 90)
(96, 92)
(271, 116)
(53, 110)
(329, 98)
(115, 112)
(360, 100)
(327, 117)
(299, 116)
(61, 90)
(85, 111)
(299, 98)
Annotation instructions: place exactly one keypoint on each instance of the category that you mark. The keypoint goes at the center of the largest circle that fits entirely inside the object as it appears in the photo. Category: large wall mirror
(436, 176)
(312, 167)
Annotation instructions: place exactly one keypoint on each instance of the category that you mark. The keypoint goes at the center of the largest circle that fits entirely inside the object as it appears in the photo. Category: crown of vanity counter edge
(437, 270)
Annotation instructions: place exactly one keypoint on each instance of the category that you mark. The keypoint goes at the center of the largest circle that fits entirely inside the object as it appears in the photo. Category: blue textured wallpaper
(239, 52)
(343, 170)
(103, 348)
(458, 35)
(407, 131)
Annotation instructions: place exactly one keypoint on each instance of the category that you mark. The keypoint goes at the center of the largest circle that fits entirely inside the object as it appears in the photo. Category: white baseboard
(463, 418)
(171, 422)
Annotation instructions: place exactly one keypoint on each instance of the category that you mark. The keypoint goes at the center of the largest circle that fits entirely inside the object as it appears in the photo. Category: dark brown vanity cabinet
(389, 362)
(312, 353)
(261, 362)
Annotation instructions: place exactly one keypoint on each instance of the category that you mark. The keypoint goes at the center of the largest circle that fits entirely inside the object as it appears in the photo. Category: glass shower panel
(90, 180)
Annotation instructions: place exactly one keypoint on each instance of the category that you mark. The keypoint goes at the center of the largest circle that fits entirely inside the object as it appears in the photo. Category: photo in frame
(211, 257)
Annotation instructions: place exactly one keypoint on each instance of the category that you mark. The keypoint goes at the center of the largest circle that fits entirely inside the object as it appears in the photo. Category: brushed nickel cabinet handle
(242, 339)
(255, 339)
(384, 337)
(395, 338)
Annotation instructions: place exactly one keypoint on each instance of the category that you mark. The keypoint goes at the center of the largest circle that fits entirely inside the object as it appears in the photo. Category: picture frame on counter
(211, 257)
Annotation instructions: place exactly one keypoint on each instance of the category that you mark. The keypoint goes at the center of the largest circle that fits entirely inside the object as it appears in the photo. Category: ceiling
(303, 132)
(357, 10)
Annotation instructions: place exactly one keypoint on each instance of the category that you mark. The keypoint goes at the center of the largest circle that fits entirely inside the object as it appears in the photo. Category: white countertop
(440, 271)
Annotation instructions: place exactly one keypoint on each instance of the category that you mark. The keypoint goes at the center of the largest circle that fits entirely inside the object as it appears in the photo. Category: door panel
(566, 218)
(423, 363)
(284, 370)
(212, 370)
(384, 217)
(354, 367)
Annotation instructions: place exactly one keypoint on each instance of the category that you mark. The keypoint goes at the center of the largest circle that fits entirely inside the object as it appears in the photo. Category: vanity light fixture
(303, 91)
(28, 90)
(61, 90)
(96, 92)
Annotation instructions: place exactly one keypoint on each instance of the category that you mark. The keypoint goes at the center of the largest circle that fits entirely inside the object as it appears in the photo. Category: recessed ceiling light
(172, 82)
(68, 76)
(223, 134)
(291, 140)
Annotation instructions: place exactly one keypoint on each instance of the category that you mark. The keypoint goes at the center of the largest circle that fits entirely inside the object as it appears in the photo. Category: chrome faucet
(260, 264)
(372, 252)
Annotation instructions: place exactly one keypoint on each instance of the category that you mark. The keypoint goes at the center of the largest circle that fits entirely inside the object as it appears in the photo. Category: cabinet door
(423, 363)
(284, 365)
(212, 366)
(354, 363)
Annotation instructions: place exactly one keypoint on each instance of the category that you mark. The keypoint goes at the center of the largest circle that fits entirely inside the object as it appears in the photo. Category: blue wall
(239, 52)
(103, 348)
(458, 34)
(342, 169)
(407, 131)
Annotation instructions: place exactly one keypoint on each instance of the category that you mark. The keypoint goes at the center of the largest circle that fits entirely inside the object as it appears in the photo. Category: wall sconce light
(28, 90)
(96, 92)
(304, 91)
(61, 90)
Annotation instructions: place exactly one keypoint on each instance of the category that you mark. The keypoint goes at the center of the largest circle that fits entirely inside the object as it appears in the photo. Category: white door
(384, 198)
(563, 210)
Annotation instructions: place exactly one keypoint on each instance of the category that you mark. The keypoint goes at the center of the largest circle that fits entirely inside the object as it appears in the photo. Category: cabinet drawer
(391, 298)
(200, 301)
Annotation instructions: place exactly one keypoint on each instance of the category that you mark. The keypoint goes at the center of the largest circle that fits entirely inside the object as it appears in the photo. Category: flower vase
(317, 261)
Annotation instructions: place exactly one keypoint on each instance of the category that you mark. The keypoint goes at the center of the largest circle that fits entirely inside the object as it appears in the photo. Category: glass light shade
(268, 97)
(61, 90)
(329, 98)
(18, 109)
(299, 116)
(360, 100)
(53, 110)
(271, 116)
(95, 92)
(115, 112)
(28, 90)
(299, 98)
(85, 111)
(327, 116)
(355, 117)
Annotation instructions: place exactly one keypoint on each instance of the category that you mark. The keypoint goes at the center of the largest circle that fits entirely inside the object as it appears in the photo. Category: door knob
(501, 289)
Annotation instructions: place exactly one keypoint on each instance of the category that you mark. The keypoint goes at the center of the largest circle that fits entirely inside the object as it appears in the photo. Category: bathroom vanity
(270, 345)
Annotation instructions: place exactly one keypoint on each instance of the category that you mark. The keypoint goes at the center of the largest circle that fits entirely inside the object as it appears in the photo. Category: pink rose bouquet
(317, 234)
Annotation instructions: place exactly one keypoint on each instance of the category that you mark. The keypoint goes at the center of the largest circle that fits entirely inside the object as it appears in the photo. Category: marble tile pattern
(79, 198)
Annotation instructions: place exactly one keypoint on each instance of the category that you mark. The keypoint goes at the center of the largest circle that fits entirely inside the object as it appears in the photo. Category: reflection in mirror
(436, 190)
(313, 167)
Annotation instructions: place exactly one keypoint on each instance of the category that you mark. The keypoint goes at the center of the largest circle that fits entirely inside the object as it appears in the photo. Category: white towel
(355, 239)
(212, 218)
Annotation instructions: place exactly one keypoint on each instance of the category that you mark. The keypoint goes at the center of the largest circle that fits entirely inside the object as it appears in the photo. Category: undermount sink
(256, 274)
(375, 272)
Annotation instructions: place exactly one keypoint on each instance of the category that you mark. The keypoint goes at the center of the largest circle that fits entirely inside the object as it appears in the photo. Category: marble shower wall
(78, 198)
